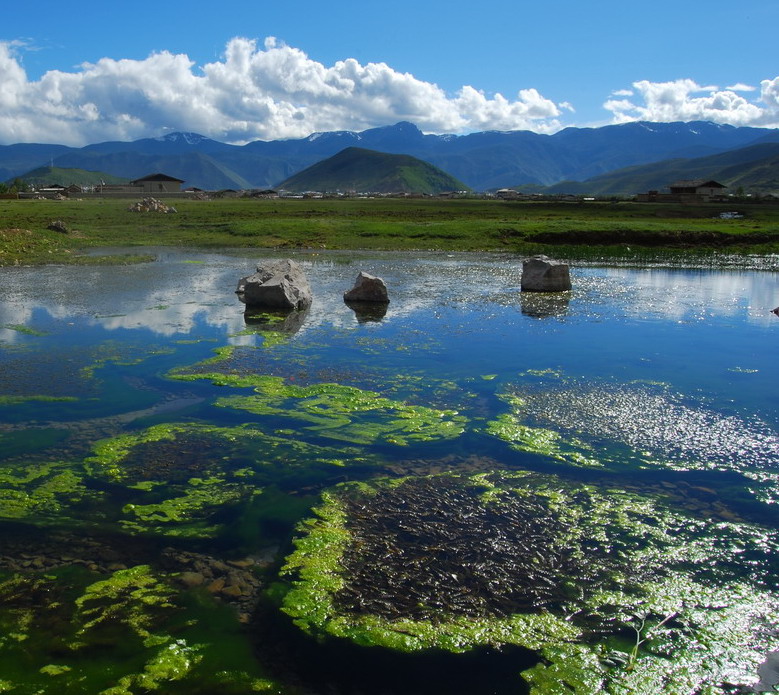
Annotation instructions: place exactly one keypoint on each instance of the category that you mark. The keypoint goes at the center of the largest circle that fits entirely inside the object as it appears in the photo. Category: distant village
(159, 184)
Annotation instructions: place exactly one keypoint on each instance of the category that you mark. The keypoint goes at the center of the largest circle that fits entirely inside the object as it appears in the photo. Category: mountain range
(483, 161)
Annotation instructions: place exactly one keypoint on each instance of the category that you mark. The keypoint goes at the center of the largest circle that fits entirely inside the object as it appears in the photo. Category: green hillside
(357, 170)
(47, 176)
(754, 169)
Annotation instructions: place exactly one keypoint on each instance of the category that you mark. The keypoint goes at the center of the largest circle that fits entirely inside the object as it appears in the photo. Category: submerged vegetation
(617, 591)
(338, 412)
(180, 478)
(55, 639)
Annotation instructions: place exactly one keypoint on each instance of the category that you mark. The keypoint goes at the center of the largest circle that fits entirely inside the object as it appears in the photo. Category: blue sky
(77, 73)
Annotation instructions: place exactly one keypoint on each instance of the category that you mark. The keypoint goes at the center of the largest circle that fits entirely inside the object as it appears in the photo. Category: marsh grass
(572, 229)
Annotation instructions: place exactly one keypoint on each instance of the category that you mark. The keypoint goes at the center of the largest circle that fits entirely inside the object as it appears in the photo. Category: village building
(700, 188)
(158, 183)
(684, 191)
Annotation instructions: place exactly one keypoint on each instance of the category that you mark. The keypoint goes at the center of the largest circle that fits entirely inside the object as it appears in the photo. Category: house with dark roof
(158, 183)
(687, 191)
(701, 189)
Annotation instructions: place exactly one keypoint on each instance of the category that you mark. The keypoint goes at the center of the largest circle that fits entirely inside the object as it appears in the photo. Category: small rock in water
(191, 579)
(280, 285)
(367, 288)
(542, 274)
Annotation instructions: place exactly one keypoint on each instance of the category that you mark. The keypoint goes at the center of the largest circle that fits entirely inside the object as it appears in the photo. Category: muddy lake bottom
(161, 452)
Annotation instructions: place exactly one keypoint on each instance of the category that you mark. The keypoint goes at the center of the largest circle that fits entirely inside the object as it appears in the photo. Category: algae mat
(617, 592)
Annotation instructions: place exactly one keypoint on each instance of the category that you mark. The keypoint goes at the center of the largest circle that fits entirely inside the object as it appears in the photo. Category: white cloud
(769, 94)
(269, 92)
(741, 87)
(685, 100)
(272, 91)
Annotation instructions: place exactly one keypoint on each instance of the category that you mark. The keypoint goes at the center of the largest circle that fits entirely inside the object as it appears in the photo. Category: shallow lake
(158, 448)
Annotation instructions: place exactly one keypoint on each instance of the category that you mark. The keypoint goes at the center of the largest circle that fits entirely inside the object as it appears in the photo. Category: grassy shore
(571, 229)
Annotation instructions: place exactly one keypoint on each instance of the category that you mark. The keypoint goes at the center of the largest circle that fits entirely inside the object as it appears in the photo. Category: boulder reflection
(276, 321)
(542, 305)
(368, 311)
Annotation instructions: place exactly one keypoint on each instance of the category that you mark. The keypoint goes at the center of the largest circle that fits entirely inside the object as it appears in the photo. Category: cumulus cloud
(685, 100)
(268, 92)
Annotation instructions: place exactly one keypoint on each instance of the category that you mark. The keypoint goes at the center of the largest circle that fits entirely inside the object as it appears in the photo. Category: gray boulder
(280, 285)
(542, 274)
(367, 288)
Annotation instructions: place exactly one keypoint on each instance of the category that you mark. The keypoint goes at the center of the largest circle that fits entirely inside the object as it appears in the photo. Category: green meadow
(561, 228)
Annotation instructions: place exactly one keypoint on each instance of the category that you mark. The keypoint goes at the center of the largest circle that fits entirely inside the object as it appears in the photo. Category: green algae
(123, 599)
(673, 604)
(126, 634)
(109, 453)
(186, 515)
(111, 352)
(173, 662)
(40, 398)
(131, 606)
(26, 330)
(54, 669)
(542, 441)
(336, 411)
(271, 327)
(179, 477)
(222, 449)
(407, 386)
(681, 637)
(221, 354)
(42, 492)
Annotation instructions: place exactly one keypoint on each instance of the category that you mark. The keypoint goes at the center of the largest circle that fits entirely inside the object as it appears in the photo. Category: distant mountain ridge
(485, 160)
(357, 170)
(48, 176)
(754, 168)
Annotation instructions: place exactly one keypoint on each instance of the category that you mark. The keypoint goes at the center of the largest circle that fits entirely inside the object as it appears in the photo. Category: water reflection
(542, 305)
(365, 312)
(185, 290)
(690, 294)
(276, 321)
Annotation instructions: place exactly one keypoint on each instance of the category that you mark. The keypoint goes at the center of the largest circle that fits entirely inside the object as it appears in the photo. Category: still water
(147, 503)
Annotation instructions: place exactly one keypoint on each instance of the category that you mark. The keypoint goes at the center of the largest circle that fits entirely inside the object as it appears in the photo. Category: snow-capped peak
(188, 138)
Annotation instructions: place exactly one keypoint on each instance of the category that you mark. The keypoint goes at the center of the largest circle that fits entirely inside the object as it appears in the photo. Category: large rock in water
(280, 285)
(542, 274)
(367, 288)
